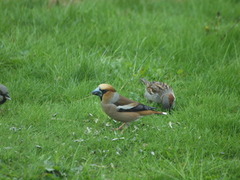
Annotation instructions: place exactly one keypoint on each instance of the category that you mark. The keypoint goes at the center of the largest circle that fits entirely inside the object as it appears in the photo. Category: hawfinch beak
(97, 92)
(121, 108)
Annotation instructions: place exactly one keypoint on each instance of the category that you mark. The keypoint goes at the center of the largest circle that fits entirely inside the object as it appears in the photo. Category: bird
(161, 93)
(121, 108)
(4, 95)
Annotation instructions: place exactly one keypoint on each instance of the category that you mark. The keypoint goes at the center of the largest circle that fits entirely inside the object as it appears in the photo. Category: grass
(52, 57)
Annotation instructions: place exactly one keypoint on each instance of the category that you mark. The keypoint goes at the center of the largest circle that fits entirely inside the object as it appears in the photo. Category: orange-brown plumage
(149, 112)
(107, 87)
(121, 108)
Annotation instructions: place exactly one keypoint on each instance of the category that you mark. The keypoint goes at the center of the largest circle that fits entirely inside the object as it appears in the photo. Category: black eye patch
(104, 91)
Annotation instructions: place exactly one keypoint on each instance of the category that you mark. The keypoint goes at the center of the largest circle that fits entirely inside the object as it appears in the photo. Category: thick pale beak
(97, 92)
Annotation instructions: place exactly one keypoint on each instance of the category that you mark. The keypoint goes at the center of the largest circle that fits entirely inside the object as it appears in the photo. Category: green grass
(52, 57)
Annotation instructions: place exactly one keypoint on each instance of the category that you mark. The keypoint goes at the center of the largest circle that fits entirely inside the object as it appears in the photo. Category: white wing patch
(128, 106)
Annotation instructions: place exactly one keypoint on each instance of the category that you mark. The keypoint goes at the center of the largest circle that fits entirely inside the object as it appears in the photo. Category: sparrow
(4, 95)
(121, 108)
(159, 92)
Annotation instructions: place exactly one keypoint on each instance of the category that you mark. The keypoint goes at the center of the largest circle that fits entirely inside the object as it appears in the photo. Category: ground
(52, 55)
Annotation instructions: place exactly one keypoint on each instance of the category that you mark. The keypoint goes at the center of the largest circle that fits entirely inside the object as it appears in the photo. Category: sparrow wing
(162, 86)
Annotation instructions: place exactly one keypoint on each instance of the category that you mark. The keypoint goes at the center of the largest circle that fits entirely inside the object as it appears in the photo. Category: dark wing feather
(139, 107)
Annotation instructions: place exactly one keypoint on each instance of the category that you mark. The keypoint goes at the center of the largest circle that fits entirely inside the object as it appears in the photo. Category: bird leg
(169, 110)
(122, 126)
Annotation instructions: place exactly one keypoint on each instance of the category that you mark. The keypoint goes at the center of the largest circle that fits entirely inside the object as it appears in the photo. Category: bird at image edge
(4, 95)
(121, 108)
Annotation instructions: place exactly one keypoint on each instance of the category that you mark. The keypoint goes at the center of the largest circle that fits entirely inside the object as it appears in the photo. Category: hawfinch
(160, 93)
(121, 108)
(4, 95)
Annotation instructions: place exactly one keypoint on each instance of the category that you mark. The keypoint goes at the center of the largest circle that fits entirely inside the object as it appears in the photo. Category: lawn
(52, 55)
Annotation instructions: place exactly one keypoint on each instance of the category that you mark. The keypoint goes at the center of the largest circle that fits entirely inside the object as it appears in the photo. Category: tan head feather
(107, 87)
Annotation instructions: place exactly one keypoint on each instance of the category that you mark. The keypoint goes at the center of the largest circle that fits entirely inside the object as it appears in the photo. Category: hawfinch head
(102, 89)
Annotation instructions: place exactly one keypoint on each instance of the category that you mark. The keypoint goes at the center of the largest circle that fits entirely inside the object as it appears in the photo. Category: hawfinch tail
(4, 95)
(121, 108)
(160, 93)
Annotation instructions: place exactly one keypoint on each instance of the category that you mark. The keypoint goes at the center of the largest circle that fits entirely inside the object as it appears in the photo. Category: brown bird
(4, 95)
(160, 92)
(121, 108)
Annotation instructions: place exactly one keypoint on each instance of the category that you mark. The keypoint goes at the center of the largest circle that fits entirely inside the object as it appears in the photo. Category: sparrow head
(146, 82)
(4, 95)
(102, 89)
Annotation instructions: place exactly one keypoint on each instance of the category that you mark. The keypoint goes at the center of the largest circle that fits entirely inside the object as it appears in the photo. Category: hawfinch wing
(121, 108)
(134, 107)
(124, 101)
